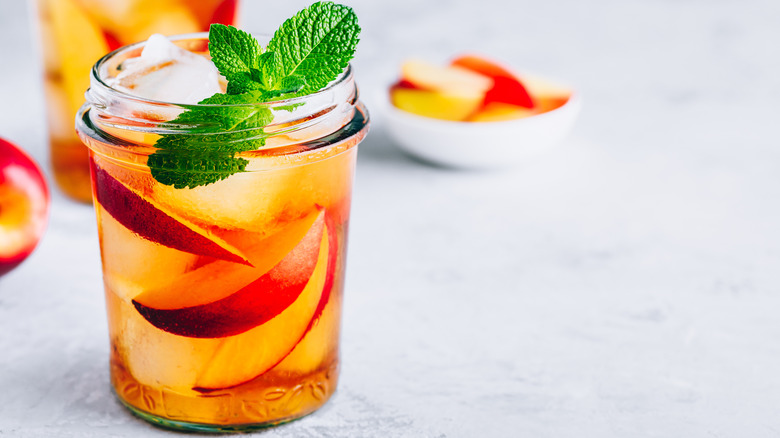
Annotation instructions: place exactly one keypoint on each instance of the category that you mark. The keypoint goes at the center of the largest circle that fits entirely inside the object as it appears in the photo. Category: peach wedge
(252, 305)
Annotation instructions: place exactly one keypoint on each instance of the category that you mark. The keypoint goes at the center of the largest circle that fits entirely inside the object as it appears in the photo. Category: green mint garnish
(316, 44)
(306, 53)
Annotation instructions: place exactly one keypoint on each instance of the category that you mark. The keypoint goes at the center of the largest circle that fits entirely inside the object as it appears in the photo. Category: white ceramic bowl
(481, 145)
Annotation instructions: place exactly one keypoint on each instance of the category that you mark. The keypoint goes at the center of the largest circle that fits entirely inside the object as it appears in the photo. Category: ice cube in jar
(166, 72)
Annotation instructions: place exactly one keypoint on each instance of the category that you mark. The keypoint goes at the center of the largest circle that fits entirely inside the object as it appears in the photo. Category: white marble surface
(625, 285)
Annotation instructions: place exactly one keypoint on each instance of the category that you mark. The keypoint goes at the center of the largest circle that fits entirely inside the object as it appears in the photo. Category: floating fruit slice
(197, 287)
(214, 11)
(226, 12)
(241, 358)
(150, 222)
(335, 267)
(131, 21)
(79, 42)
(152, 356)
(252, 305)
(318, 344)
(506, 88)
(138, 264)
(320, 340)
(278, 194)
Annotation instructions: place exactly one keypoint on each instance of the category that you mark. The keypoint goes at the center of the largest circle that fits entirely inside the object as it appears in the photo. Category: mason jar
(223, 270)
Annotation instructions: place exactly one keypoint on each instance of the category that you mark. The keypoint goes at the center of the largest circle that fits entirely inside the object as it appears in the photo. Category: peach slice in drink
(79, 43)
(250, 306)
(183, 364)
(152, 223)
(138, 264)
(214, 11)
(241, 358)
(320, 337)
(196, 287)
(278, 196)
(134, 20)
(318, 342)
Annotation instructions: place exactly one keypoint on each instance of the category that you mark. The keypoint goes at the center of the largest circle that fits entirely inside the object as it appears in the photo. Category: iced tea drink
(75, 34)
(224, 300)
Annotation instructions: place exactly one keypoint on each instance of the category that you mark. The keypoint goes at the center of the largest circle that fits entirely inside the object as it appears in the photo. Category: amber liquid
(224, 301)
(75, 34)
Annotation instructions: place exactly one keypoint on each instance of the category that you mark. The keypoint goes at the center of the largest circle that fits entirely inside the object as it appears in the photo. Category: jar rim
(301, 125)
(95, 73)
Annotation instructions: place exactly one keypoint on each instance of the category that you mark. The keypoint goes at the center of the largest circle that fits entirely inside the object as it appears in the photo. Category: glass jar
(224, 299)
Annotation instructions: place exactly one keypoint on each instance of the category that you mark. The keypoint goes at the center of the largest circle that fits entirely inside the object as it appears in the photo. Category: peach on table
(24, 205)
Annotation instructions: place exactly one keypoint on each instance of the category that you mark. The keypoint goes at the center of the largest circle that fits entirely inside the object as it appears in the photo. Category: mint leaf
(222, 125)
(269, 70)
(243, 83)
(317, 43)
(193, 169)
(232, 50)
(308, 52)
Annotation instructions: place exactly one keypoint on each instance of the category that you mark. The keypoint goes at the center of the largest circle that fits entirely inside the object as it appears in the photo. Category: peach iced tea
(222, 178)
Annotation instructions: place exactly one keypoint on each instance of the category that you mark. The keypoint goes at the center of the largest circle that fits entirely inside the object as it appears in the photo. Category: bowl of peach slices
(476, 113)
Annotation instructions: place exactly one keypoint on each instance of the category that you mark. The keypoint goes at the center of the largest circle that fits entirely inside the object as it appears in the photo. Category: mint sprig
(305, 54)
(317, 44)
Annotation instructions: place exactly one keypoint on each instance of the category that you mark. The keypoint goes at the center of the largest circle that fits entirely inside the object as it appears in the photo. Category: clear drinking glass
(74, 34)
(224, 300)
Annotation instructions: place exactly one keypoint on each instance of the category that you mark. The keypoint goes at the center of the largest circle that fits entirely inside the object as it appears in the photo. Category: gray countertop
(626, 284)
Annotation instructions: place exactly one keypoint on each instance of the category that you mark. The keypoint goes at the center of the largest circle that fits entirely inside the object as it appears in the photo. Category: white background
(627, 284)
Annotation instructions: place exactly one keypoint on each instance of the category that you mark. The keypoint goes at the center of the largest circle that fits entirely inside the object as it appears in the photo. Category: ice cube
(168, 73)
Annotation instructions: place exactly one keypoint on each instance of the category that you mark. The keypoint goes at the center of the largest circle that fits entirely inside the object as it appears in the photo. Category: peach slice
(278, 195)
(214, 11)
(321, 335)
(241, 358)
(506, 88)
(131, 21)
(449, 80)
(448, 93)
(547, 95)
(132, 265)
(498, 112)
(152, 356)
(152, 223)
(80, 43)
(319, 342)
(174, 19)
(196, 288)
(434, 103)
(252, 305)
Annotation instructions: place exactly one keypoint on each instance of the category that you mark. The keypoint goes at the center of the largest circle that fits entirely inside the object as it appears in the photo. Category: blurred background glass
(76, 33)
